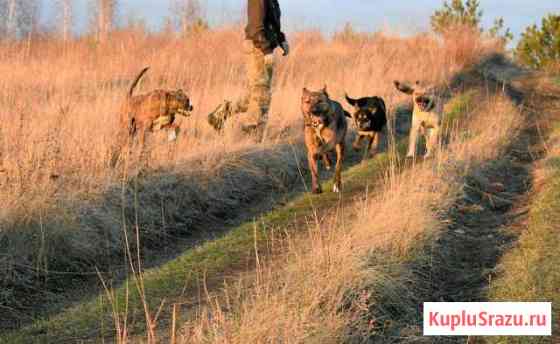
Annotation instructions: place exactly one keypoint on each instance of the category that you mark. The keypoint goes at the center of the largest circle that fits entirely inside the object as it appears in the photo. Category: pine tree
(466, 15)
(456, 14)
(539, 48)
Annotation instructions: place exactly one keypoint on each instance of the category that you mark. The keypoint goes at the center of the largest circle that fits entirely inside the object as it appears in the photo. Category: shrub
(467, 15)
(539, 48)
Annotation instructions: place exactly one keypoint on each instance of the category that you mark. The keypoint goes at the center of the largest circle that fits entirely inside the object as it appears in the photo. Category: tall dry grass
(303, 296)
(60, 200)
(59, 102)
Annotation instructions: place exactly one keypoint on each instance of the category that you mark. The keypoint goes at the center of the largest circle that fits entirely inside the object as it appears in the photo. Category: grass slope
(214, 259)
(529, 272)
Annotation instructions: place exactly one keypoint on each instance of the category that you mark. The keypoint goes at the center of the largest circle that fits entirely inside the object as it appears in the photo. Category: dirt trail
(294, 201)
(465, 256)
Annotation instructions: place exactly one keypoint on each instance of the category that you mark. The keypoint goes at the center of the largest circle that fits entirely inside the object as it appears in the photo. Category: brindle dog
(426, 116)
(325, 131)
(370, 119)
(154, 110)
(151, 111)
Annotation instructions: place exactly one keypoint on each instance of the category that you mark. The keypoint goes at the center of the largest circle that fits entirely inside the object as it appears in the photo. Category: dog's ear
(403, 87)
(305, 92)
(324, 90)
(351, 101)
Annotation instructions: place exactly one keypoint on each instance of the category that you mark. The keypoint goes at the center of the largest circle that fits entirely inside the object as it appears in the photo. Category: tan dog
(426, 116)
(325, 131)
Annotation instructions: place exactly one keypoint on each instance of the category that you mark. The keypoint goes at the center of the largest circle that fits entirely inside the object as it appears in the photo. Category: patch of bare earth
(464, 259)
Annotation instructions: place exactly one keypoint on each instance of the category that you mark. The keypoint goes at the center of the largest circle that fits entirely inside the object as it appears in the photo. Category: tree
(468, 14)
(18, 18)
(104, 18)
(539, 48)
(495, 30)
(187, 16)
(65, 18)
(456, 14)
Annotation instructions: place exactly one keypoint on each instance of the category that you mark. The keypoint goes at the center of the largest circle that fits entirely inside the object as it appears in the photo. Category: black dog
(370, 119)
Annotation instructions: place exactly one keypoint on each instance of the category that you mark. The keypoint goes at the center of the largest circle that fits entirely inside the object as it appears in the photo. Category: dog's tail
(136, 81)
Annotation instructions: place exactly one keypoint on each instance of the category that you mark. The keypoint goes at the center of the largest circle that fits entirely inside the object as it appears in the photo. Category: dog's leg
(372, 140)
(413, 140)
(312, 159)
(327, 161)
(142, 154)
(380, 140)
(337, 185)
(432, 141)
(357, 144)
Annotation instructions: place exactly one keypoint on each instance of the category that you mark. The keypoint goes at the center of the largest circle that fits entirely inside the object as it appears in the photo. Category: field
(215, 239)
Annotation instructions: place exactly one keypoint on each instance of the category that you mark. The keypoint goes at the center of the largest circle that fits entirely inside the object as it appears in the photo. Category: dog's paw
(336, 188)
(172, 135)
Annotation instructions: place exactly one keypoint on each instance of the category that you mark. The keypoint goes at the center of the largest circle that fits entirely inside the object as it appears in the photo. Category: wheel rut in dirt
(464, 259)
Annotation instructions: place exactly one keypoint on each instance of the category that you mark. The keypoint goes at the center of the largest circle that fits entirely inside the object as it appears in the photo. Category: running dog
(152, 111)
(325, 130)
(370, 119)
(426, 116)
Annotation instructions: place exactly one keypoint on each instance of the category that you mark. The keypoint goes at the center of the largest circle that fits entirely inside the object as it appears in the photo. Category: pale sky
(404, 16)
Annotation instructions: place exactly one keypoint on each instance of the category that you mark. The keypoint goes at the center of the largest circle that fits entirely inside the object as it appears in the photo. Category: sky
(400, 16)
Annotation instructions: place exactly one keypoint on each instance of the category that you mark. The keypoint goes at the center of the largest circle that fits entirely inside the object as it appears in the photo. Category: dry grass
(59, 102)
(529, 271)
(62, 206)
(300, 297)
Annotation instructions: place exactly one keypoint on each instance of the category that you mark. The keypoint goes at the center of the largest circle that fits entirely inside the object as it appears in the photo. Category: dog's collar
(183, 112)
(366, 133)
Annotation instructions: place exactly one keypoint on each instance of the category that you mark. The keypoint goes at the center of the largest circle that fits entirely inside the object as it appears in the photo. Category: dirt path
(215, 256)
(464, 258)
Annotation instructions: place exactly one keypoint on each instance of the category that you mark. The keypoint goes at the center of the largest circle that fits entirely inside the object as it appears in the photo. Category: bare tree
(18, 18)
(104, 20)
(66, 19)
(186, 14)
(11, 24)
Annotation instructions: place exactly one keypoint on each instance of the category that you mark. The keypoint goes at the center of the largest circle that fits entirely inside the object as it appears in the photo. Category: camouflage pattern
(260, 68)
(255, 103)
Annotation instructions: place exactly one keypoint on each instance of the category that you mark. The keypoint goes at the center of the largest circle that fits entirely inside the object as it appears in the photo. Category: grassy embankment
(529, 271)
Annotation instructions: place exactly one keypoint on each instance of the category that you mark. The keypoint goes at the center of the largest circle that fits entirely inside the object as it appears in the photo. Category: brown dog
(325, 131)
(152, 111)
(155, 110)
(370, 119)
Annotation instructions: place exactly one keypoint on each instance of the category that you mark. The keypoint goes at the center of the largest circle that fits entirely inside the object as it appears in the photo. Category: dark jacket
(263, 26)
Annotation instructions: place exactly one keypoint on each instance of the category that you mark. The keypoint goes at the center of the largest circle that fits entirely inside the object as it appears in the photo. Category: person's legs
(255, 102)
(260, 68)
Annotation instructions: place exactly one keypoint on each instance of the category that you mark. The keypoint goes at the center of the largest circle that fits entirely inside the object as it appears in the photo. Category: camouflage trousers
(255, 102)
(258, 94)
